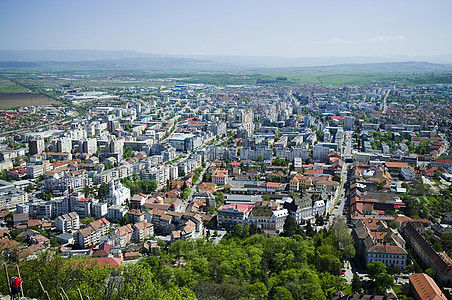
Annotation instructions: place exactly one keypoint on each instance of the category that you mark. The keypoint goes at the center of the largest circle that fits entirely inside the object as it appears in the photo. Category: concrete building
(88, 146)
(68, 222)
(36, 146)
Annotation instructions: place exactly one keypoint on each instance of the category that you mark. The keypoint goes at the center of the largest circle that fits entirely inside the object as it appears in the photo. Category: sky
(284, 28)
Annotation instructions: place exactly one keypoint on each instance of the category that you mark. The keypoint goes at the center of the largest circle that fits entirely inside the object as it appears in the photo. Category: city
(122, 174)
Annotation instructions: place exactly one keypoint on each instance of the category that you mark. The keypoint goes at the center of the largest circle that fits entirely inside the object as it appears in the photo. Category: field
(10, 100)
(7, 86)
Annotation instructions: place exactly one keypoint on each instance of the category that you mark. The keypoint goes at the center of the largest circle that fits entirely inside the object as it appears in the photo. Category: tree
(219, 198)
(356, 284)
(290, 227)
(382, 281)
(103, 191)
(154, 185)
(260, 158)
(280, 293)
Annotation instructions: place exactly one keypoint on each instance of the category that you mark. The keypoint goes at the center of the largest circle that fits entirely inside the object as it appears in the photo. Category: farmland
(11, 100)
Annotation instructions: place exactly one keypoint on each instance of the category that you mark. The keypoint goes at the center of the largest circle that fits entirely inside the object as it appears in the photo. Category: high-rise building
(36, 146)
(63, 144)
(88, 146)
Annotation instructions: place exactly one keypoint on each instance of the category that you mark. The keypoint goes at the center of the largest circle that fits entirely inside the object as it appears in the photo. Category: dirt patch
(10, 100)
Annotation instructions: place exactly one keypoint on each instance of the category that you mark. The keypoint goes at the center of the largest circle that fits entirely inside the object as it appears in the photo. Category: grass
(15, 88)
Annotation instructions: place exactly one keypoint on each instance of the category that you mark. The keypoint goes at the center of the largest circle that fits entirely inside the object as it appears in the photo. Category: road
(348, 144)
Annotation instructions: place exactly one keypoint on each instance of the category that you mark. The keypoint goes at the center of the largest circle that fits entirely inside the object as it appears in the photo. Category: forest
(245, 264)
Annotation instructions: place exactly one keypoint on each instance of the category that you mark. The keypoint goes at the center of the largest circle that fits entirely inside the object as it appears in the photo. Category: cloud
(377, 39)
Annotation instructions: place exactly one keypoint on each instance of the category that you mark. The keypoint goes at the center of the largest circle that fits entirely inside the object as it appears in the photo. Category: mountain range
(97, 60)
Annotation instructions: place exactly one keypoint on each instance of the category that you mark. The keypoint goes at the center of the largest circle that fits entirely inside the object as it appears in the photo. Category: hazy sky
(287, 28)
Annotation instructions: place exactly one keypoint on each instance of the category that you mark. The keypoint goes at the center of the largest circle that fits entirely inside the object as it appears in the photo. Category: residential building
(142, 231)
(68, 222)
(36, 146)
(232, 214)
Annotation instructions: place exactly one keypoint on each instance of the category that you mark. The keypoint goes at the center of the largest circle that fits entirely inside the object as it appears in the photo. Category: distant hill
(99, 60)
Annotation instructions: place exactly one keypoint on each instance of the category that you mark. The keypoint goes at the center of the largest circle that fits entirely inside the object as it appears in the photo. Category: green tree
(382, 281)
(290, 227)
(280, 293)
(103, 191)
(260, 158)
(356, 284)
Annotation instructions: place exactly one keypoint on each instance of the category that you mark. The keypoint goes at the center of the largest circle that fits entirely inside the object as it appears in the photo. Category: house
(219, 176)
(138, 200)
(20, 219)
(273, 186)
(104, 250)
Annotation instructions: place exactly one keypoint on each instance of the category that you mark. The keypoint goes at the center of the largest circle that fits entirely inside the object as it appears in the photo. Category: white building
(68, 222)
(88, 146)
(100, 209)
(117, 194)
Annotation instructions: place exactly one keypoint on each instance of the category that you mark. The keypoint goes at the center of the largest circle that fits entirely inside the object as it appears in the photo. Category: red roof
(238, 206)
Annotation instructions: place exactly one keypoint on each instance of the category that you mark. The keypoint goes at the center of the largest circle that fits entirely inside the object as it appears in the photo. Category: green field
(7, 86)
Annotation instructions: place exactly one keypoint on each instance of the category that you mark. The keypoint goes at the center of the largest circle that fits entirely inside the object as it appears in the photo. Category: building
(219, 176)
(88, 146)
(34, 171)
(142, 231)
(268, 216)
(79, 204)
(11, 196)
(63, 144)
(123, 235)
(68, 222)
(36, 146)
(232, 214)
(116, 212)
(117, 194)
(300, 209)
(91, 235)
(376, 241)
(349, 123)
(424, 287)
(100, 209)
